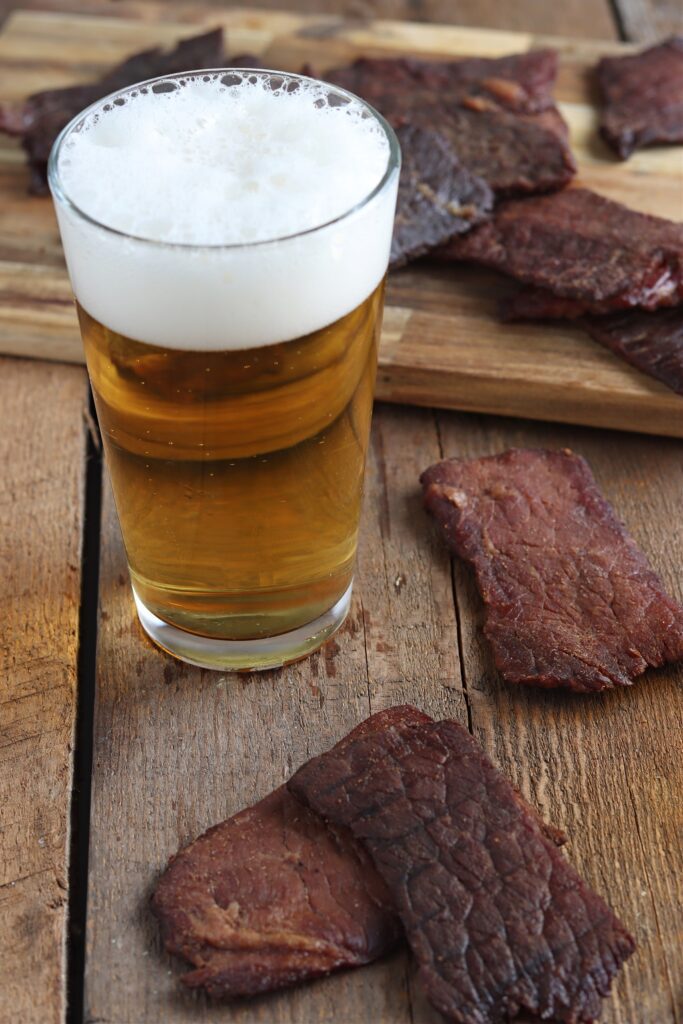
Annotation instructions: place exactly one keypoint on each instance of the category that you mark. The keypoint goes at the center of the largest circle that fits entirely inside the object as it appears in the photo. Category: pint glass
(227, 237)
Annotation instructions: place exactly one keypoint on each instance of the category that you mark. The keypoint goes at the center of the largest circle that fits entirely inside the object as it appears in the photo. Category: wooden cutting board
(442, 344)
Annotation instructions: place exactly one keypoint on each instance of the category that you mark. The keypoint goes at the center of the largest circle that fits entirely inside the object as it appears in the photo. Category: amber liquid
(238, 474)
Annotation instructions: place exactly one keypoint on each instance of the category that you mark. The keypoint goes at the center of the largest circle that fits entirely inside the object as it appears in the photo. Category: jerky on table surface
(40, 118)
(437, 198)
(642, 95)
(570, 600)
(581, 252)
(272, 896)
(652, 342)
(500, 923)
(498, 114)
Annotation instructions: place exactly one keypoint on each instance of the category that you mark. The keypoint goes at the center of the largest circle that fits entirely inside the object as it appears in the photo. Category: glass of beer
(227, 236)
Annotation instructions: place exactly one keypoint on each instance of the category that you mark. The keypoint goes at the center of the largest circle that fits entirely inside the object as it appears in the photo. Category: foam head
(225, 210)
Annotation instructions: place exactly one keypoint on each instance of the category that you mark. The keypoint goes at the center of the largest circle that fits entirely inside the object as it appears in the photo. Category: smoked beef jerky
(497, 114)
(521, 82)
(643, 97)
(570, 600)
(437, 198)
(501, 924)
(272, 896)
(584, 252)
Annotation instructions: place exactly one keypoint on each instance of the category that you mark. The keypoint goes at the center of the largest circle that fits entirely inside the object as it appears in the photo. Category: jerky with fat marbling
(502, 926)
(272, 896)
(581, 252)
(643, 97)
(570, 600)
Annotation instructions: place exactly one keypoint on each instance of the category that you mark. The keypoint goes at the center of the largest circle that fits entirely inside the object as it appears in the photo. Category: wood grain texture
(649, 21)
(608, 769)
(42, 453)
(178, 749)
(567, 20)
(442, 343)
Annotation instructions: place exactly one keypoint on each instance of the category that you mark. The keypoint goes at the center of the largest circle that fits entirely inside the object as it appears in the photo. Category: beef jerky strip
(569, 598)
(39, 120)
(272, 896)
(521, 82)
(498, 115)
(652, 342)
(643, 97)
(500, 923)
(593, 254)
(437, 198)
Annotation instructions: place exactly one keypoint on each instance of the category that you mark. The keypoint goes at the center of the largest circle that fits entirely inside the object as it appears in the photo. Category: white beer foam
(209, 169)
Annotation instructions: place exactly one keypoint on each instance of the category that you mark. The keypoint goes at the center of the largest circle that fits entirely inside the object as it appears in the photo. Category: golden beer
(227, 236)
(238, 474)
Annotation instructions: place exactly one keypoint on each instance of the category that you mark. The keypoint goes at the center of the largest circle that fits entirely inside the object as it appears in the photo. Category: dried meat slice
(39, 120)
(643, 97)
(437, 198)
(569, 598)
(497, 114)
(652, 342)
(272, 896)
(500, 923)
(594, 254)
(522, 82)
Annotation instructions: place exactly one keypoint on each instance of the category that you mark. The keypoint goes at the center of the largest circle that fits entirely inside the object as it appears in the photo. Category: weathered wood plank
(568, 19)
(42, 453)
(608, 768)
(178, 749)
(649, 21)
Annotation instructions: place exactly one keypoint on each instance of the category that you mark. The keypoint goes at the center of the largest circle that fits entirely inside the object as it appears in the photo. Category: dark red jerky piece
(39, 120)
(501, 924)
(580, 247)
(522, 82)
(652, 342)
(643, 97)
(272, 896)
(569, 598)
(437, 198)
(498, 115)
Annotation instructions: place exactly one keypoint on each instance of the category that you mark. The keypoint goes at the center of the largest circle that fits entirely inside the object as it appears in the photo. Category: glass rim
(61, 196)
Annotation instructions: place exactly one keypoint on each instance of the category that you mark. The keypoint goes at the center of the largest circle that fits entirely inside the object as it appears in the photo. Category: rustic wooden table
(113, 754)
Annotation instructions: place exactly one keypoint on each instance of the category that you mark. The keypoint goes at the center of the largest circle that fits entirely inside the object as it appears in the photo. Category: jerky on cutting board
(500, 923)
(652, 342)
(586, 254)
(642, 95)
(437, 198)
(39, 119)
(272, 896)
(570, 600)
(497, 114)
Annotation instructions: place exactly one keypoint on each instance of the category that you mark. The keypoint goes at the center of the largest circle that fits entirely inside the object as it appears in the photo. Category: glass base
(244, 655)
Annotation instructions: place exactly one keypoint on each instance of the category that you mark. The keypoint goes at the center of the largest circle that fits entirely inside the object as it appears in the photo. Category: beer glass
(227, 236)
